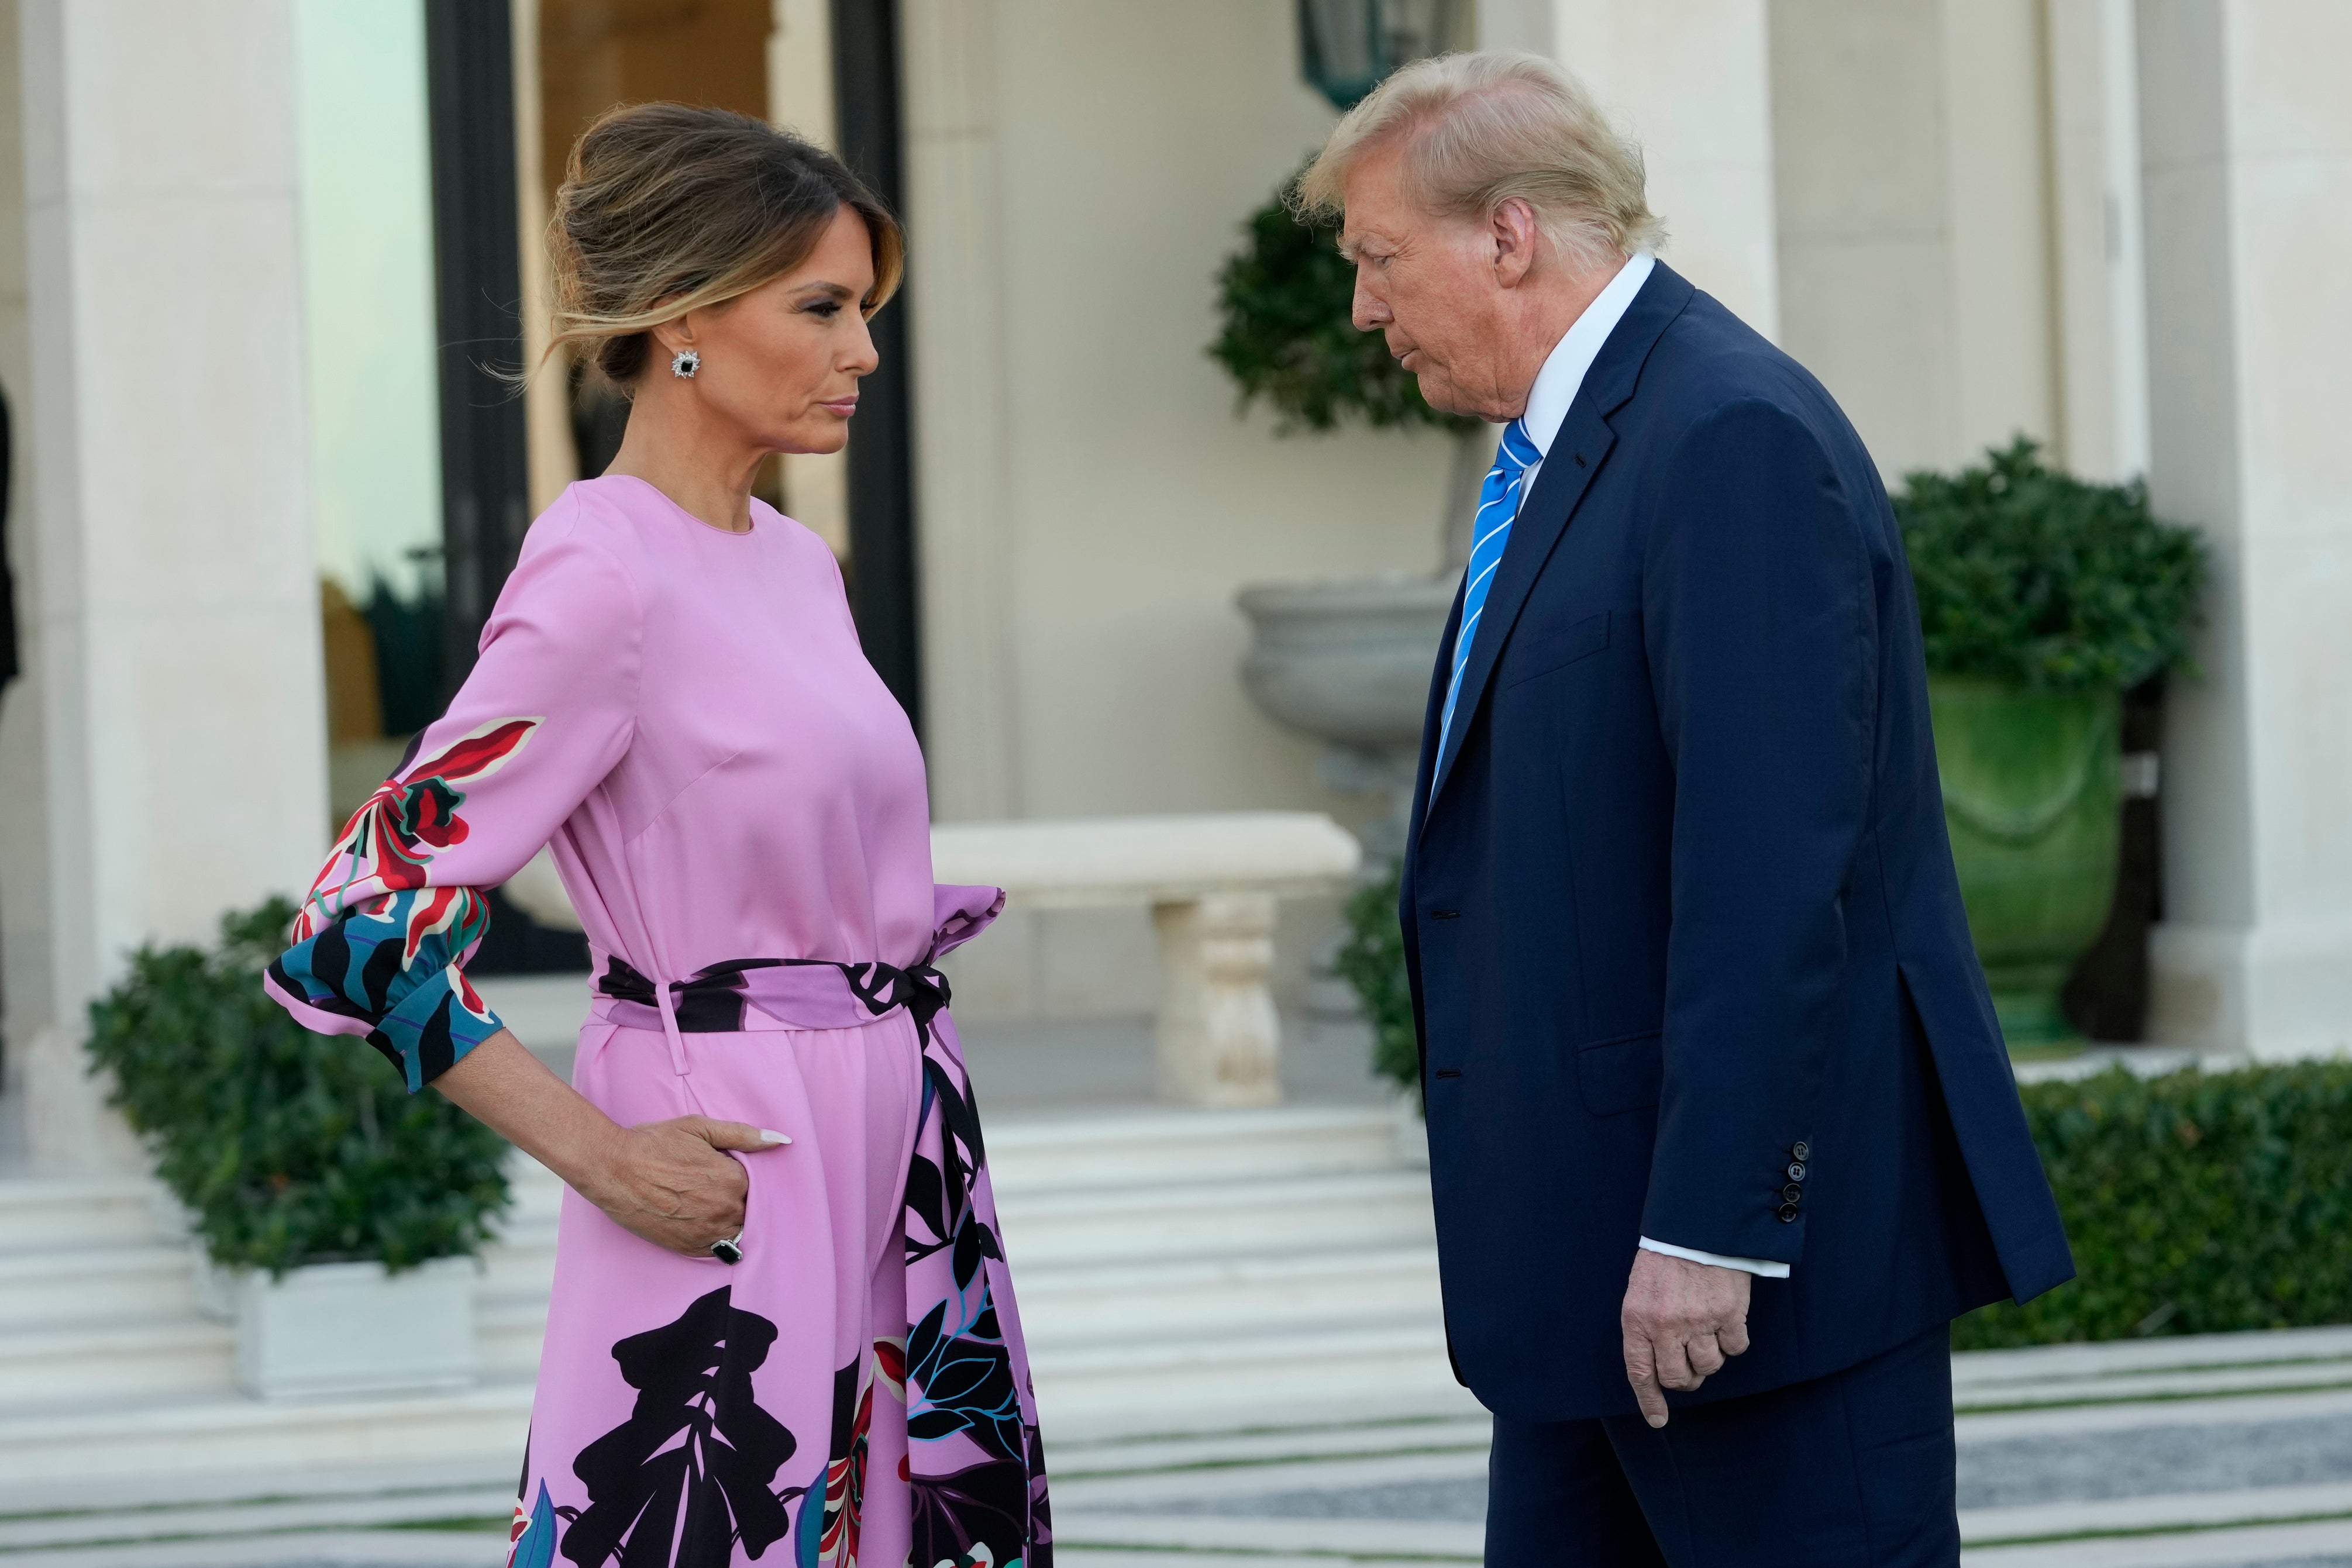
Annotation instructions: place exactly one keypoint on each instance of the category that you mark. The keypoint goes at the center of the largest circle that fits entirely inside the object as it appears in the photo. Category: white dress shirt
(1555, 387)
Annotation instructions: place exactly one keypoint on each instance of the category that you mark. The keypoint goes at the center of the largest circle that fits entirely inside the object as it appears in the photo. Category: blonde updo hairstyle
(667, 208)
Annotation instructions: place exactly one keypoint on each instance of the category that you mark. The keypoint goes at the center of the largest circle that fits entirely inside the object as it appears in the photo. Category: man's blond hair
(1479, 129)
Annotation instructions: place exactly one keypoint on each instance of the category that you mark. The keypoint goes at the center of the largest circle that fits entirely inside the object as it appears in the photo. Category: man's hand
(1681, 1320)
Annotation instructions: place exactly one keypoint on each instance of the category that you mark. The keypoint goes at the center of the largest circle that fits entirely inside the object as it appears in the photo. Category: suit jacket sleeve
(1760, 636)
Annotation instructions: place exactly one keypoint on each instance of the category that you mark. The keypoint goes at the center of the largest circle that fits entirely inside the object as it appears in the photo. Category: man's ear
(1513, 232)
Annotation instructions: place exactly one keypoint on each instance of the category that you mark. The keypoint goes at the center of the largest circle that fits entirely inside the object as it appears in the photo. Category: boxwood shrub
(288, 1148)
(2030, 576)
(2198, 1203)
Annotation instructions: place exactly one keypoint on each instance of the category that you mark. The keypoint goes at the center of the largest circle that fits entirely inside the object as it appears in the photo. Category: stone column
(955, 286)
(2098, 266)
(178, 628)
(2248, 186)
(23, 840)
(1692, 83)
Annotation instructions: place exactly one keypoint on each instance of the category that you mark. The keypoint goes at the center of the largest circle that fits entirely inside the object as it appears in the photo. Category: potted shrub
(338, 1214)
(2043, 598)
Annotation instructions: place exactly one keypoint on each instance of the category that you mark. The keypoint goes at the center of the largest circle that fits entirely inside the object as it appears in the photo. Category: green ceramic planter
(2033, 795)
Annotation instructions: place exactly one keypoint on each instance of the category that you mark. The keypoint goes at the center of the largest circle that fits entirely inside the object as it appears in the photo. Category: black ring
(728, 1252)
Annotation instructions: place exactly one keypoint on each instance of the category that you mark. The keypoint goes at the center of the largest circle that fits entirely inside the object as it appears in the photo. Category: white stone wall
(1692, 83)
(1090, 503)
(1911, 173)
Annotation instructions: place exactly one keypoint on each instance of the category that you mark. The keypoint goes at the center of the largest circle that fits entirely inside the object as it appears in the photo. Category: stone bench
(1211, 881)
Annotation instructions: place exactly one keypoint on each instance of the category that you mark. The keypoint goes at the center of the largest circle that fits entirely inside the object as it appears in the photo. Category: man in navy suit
(1723, 1133)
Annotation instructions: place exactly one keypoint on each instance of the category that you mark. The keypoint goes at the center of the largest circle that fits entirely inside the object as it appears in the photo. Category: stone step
(87, 1283)
(1167, 1388)
(478, 1431)
(163, 1355)
(349, 1510)
(508, 1333)
(1984, 1372)
(1175, 1267)
(1091, 1392)
(1371, 1208)
(1204, 1300)
(1317, 1438)
(63, 1211)
(1151, 1148)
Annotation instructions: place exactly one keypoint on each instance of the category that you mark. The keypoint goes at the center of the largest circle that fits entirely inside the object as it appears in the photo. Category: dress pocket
(1623, 1074)
(1551, 649)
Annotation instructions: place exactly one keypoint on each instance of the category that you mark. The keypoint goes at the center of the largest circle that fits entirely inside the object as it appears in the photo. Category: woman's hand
(670, 1182)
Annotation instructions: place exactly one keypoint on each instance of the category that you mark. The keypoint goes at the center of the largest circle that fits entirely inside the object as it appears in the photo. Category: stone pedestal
(2248, 188)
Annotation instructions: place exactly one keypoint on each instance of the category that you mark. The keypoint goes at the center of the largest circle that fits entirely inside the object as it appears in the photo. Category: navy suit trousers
(1850, 1470)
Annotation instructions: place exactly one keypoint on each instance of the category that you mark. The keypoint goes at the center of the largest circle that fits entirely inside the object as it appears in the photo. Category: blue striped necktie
(1498, 503)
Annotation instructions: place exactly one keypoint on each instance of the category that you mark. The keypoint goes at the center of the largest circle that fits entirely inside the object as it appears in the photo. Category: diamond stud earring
(684, 363)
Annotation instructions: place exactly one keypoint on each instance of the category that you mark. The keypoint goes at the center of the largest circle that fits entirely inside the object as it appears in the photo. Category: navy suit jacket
(1678, 900)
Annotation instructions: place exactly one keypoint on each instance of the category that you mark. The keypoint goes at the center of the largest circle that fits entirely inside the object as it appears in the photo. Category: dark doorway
(478, 286)
(484, 450)
(883, 586)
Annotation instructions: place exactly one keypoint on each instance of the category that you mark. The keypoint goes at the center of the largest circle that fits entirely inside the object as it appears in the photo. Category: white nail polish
(766, 1136)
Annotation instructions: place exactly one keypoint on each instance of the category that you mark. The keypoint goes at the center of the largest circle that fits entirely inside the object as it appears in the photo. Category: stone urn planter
(1348, 662)
(2032, 788)
(334, 1329)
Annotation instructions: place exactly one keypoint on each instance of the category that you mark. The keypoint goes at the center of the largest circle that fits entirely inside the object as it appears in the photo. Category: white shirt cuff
(1759, 1266)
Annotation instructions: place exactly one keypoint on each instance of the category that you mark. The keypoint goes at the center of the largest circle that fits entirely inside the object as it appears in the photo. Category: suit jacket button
(1788, 1213)
(1796, 1170)
(1791, 1193)
(1803, 1151)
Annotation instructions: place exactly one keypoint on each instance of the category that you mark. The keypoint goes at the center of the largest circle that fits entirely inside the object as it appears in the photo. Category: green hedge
(2198, 1203)
(288, 1148)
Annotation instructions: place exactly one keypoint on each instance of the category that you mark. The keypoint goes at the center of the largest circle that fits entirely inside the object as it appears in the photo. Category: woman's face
(782, 362)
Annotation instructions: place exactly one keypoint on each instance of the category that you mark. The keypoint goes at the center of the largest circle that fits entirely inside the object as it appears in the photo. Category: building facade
(229, 242)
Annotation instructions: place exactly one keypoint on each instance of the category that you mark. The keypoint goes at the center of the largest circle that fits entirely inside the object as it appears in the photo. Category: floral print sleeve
(380, 945)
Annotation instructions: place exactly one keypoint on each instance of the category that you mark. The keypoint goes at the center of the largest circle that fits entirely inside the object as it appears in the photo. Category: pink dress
(738, 808)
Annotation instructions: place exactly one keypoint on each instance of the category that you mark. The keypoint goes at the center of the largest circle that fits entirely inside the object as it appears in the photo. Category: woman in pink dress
(782, 1327)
